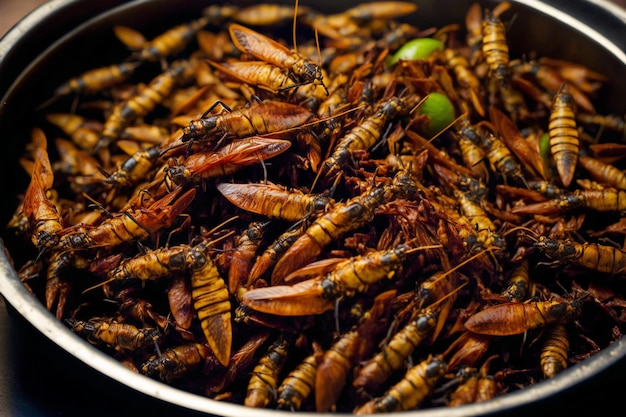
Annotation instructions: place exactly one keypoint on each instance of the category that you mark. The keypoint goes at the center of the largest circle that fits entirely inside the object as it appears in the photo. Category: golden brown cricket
(266, 76)
(123, 336)
(166, 44)
(554, 350)
(394, 354)
(266, 49)
(514, 317)
(342, 218)
(138, 105)
(261, 391)
(495, 47)
(226, 160)
(415, 387)
(174, 363)
(45, 222)
(130, 226)
(274, 201)
(332, 278)
(298, 384)
(564, 142)
(594, 256)
(211, 302)
(258, 119)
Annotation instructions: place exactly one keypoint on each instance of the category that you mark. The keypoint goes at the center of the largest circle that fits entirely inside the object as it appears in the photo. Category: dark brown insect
(348, 349)
(122, 336)
(176, 362)
(243, 255)
(265, 261)
(226, 160)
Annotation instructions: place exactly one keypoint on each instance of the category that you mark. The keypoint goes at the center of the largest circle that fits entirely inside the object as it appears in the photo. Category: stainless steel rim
(35, 313)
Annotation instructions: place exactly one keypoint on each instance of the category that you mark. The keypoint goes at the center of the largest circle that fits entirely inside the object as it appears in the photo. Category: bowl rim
(30, 308)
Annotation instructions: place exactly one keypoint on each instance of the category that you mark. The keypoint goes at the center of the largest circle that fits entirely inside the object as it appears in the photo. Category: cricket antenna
(295, 18)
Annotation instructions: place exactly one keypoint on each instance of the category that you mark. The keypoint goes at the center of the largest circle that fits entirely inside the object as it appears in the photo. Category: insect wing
(317, 268)
(303, 298)
(259, 46)
(515, 141)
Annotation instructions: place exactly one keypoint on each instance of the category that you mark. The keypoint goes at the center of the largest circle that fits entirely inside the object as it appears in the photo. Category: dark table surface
(37, 379)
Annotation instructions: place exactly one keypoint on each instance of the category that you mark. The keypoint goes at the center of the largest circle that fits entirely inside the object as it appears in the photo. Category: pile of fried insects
(366, 217)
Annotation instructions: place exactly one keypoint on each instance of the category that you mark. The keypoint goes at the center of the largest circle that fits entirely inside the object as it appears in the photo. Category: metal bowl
(35, 56)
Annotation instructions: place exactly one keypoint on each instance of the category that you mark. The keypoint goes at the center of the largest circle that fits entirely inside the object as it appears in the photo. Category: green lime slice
(544, 150)
(440, 111)
(419, 48)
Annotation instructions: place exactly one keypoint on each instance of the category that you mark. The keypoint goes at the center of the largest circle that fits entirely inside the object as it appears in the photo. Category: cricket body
(135, 168)
(495, 48)
(393, 355)
(176, 362)
(226, 160)
(44, 219)
(268, 50)
(554, 351)
(343, 217)
(211, 302)
(138, 105)
(97, 79)
(263, 383)
(133, 225)
(564, 142)
(596, 257)
(407, 394)
(121, 336)
(514, 318)
(258, 119)
(259, 73)
(152, 264)
(298, 384)
(274, 201)
(343, 277)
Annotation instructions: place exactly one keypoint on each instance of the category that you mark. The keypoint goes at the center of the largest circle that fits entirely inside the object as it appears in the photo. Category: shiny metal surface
(591, 32)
